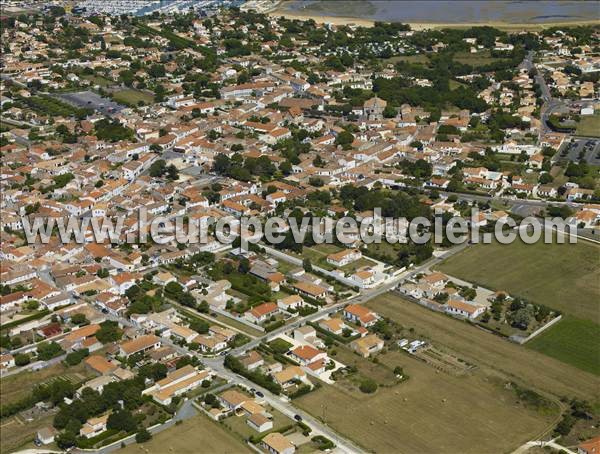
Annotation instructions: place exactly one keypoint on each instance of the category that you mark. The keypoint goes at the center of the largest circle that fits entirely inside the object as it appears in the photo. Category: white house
(463, 309)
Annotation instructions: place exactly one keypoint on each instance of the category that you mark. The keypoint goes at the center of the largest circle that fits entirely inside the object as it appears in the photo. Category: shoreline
(347, 20)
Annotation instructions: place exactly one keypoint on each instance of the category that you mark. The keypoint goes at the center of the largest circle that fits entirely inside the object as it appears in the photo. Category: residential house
(368, 345)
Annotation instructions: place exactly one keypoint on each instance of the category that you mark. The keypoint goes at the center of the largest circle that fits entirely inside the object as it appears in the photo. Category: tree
(66, 440)
(344, 138)
(32, 305)
(22, 359)
(389, 111)
(368, 386)
(109, 332)
(74, 358)
(121, 420)
(200, 326)
(142, 436)
(158, 168)
(48, 351)
(79, 319)
(244, 265)
(521, 318)
(172, 172)
(307, 265)
(546, 178)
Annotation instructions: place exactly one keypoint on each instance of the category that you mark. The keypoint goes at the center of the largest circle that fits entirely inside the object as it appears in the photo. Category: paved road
(542, 444)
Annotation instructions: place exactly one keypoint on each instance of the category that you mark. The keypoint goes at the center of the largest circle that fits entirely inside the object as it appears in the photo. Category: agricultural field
(430, 412)
(17, 386)
(565, 277)
(188, 437)
(572, 341)
(589, 126)
(488, 352)
(131, 97)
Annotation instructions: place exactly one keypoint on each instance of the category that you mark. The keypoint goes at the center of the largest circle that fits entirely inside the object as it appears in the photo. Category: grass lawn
(561, 276)
(99, 80)
(352, 267)
(477, 59)
(381, 372)
(488, 352)
(17, 386)
(197, 434)
(131, 97)
(572, 341)
(239, 425)
(431, 412)
(417, 58)
(589, 126)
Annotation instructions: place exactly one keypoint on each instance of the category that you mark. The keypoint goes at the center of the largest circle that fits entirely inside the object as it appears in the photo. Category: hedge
(14, 323)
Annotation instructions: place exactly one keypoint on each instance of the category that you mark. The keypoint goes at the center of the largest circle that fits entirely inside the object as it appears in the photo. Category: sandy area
(339, 20)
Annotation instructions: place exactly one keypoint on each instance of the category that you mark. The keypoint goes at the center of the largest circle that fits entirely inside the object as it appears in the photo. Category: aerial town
(218, 111)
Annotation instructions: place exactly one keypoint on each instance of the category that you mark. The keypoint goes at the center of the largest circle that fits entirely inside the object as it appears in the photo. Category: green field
(98, 80)
(565, 277)
(480, 58)
(197, 434)
(572, 341)
(589, 126)
(131, 97)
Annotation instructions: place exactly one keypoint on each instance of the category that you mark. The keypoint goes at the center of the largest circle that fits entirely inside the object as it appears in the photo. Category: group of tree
(159, 169)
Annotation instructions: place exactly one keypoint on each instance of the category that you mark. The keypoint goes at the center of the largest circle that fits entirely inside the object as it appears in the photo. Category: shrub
(368, 386)
(142, 436)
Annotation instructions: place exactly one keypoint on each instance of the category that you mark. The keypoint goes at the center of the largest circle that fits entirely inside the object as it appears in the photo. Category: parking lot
(93, 101)
(581, 149)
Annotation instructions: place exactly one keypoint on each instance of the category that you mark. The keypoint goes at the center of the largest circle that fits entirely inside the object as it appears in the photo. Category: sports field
(197, 434)
(430, 412)
(572, 341)
(589, 126)
(489, 352)
(562, 276)
(132, 97)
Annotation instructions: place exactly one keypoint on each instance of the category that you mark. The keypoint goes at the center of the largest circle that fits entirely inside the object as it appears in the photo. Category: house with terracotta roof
(100, 364)
(344, 257)
(290, 302)
(176, 383)
(139, 345)
(368, 345)
(360, 314)
(232, 399)
(276, 443)
(591, 446)
(94, 427)
(288, 376)
(310, 289)
(262, 313)
(464, 309)
(333, 325)
(307, 354)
